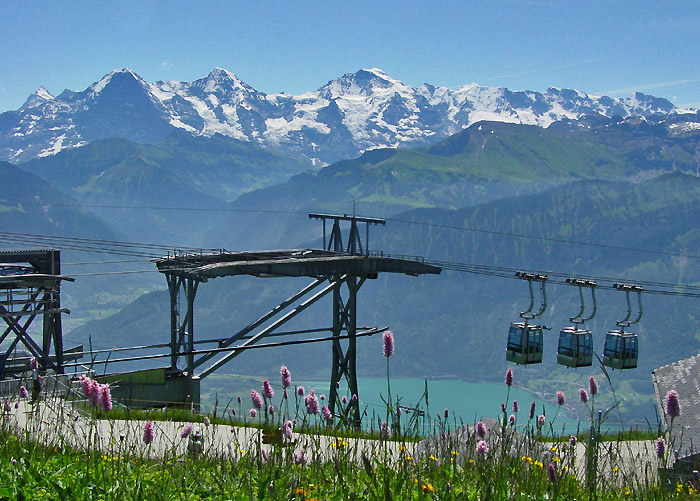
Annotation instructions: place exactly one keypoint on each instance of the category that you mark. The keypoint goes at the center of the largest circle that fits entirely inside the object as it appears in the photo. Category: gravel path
(57, 423)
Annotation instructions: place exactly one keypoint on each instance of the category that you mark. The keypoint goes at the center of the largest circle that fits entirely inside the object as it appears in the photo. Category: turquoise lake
(468, 401)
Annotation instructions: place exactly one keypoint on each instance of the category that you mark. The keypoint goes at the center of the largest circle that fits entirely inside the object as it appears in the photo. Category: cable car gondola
(525, 341)
(575, 347)
(621, 349)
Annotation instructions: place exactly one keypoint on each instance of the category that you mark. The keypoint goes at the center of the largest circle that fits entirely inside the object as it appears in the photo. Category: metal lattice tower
(337, 270)
(25, 294)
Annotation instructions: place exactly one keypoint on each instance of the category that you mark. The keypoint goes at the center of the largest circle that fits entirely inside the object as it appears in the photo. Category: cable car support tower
(338, 269)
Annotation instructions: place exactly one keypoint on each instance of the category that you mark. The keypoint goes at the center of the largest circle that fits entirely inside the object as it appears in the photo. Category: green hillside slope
(35, 211)
(485, 162)
(181, 171)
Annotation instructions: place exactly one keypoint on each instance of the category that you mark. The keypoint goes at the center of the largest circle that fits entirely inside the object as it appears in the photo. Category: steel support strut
(182, 331)
(344, 360)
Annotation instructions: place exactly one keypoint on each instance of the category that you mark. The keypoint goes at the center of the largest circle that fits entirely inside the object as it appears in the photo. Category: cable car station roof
(683, 376)
(290, 263)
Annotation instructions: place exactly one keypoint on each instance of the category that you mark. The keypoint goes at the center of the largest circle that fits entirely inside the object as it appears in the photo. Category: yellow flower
(627, 491)
(241, 451)
(616, 469)
(402, 448)
(427, 487)
(433, 458)
(454, 453)
(471, 461)
(554, 449)
(538, 464)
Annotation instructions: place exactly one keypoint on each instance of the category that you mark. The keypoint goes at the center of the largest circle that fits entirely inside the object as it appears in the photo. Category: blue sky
(601, 47)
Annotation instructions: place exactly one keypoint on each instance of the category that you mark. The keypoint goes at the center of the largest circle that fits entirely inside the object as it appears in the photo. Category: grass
(57, 454)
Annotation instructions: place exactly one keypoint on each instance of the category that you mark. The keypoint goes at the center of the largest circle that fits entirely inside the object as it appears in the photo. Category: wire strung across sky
(149, 251)
(395, 220)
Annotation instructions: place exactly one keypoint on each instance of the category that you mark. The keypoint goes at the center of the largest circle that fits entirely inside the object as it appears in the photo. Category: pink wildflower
(326, 412)
(286, 377)
(94, 392)
(583, 395)
(148, 432)
(552, 473)
(532, 410)
(560, 398)
(267, 390)
(660, 447)
(673, 406)
(186, 430)
(516, 407)
(85, 385)
(23, 393)
(511, 420)
(481, 429)
(385, 430)
(300, 457)
(311, 403)
(253, 412)
(482, 447)
(593, 384)
(300, 391)
(105, 398)
(509, 377)
(388, 344)
(256, 399)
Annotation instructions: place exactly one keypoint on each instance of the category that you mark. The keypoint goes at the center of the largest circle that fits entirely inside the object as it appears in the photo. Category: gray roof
(684, 377)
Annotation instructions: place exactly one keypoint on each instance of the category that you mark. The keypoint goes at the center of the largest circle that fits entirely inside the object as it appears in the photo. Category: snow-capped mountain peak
(365, 82)
(350, 114)
(121, 74)
(221, 82)
(40, 96)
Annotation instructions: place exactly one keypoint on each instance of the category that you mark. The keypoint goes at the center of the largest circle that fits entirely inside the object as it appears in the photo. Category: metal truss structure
(30, 286)
(337, 270)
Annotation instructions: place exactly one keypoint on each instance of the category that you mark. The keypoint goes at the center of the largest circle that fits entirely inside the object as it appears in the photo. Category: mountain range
(343, 118)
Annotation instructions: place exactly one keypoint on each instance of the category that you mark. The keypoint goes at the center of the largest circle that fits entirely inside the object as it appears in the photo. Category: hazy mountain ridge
(193, 173)
(485, 162)
(353, 113)
(455, 323)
